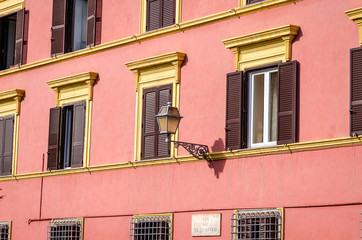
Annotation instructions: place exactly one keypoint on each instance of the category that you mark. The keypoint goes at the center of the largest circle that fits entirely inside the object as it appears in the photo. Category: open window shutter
(236, 111)
(78, 134)
(18, 57)
(53, 140)
(168, 13)
(2, 46)
(153, 14)
(164, 96)
(91, 22)
(356, 91)
(287, 102)
(2, 137)
(8, 145)
(149, 124)
(58, 27)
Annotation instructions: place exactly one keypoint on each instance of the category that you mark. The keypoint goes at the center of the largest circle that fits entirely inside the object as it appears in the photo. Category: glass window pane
(258, 108)
(273, 108)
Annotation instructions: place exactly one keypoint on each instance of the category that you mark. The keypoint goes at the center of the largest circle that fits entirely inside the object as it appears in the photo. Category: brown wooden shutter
(236, 111)
(2, 140)
(53, 139)
(18, 56)
(153, 143)
(25, 37)
(154, 20)
(78, 134)
(356, 92)
(8, 145)
(58, 27)
(168, 13)
(287, 102)
(94, 22)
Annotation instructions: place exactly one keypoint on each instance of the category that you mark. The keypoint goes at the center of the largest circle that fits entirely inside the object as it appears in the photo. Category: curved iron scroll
(197, 150)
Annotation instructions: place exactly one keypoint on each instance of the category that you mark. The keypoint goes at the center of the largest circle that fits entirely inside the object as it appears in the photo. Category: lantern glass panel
(173, 124)
(162, 124)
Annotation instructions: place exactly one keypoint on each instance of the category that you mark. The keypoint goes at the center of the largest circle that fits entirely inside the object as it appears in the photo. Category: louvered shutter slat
(168, 13)
(94, 22)
(18, 56)
(153, 14)
(53, 139)
(287, 102)
(78, 134)
(2, 137)
(356, 91)
(163, 147)
(8, 145)
(58, 27)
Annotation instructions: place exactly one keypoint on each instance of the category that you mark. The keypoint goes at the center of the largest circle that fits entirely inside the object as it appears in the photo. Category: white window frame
(251, 77)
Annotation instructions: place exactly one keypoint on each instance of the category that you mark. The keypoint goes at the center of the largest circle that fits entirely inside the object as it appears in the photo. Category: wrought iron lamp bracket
(197, 150)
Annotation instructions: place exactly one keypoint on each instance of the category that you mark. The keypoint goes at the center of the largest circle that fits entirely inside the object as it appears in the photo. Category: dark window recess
(4, 231)
(237, 106)
(153, 143)
(256, 225)
(66, 136)
(151, 228)
(6, 144)
(76, 25)
(12, 39)
(65, 229)
(253, 1)
(160, 13)
(356, 92)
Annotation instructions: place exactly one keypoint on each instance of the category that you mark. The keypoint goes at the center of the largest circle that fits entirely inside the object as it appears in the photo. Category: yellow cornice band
(289, 148)
(356, 16)
(11, 94)
(233, 13)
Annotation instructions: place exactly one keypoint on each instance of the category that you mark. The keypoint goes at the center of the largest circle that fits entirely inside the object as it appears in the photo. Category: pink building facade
(271, 87)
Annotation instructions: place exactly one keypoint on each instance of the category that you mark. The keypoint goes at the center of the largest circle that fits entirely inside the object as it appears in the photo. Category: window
(151, 227)
(157, 82)
(252, 1)
(65, 229)
(76, 25)
(356, 92)
(11, 41)
(69, 122)
(6, 144)
(253, 118)
(5, 230)
(257, 224)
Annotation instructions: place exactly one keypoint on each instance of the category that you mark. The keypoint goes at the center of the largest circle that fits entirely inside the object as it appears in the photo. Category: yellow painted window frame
(10, 226)
(158, 215)
(74, 89)
(264, 47)
(280, 209)
(10, 105)
(53, 223)
(143, 19)
(10, 6)
(356, 16)
(152, 72)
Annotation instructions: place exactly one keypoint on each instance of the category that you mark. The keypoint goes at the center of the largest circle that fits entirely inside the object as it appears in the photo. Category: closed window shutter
(153, 143)
(2, 137)
(236, 111)
(356, 91)
(168, 13)
(18, 57)
(153, 15)
(53, 139)
(8, 145)
(78, 134)
(94, 22)
(287, 102)
(58, 27)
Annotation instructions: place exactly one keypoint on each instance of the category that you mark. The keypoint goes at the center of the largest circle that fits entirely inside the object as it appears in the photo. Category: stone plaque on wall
(206, 225)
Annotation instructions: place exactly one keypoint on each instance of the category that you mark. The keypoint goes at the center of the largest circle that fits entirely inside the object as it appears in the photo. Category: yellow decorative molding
(10, 6)
(356, 16)
(143, 15)
(225, 155)
(262, 47)
(181, 27)
(151, 72)
(73, 89)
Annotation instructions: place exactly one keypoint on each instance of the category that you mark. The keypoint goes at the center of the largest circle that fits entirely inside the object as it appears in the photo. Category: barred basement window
(256, 224)
(151, 228)
(65, 229)
(4, 230)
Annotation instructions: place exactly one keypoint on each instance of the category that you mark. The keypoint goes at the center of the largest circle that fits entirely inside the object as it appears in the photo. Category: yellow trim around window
(143, 15)
(10, 6)
(159, 215)
(356, 16)
(263, 47)
(73, 89)
(151, 72)
(10, 105)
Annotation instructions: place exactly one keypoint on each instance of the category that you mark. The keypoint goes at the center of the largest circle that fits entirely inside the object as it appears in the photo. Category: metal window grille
(4, 231)
(151, 228)
(65, 229)
(256, 224)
